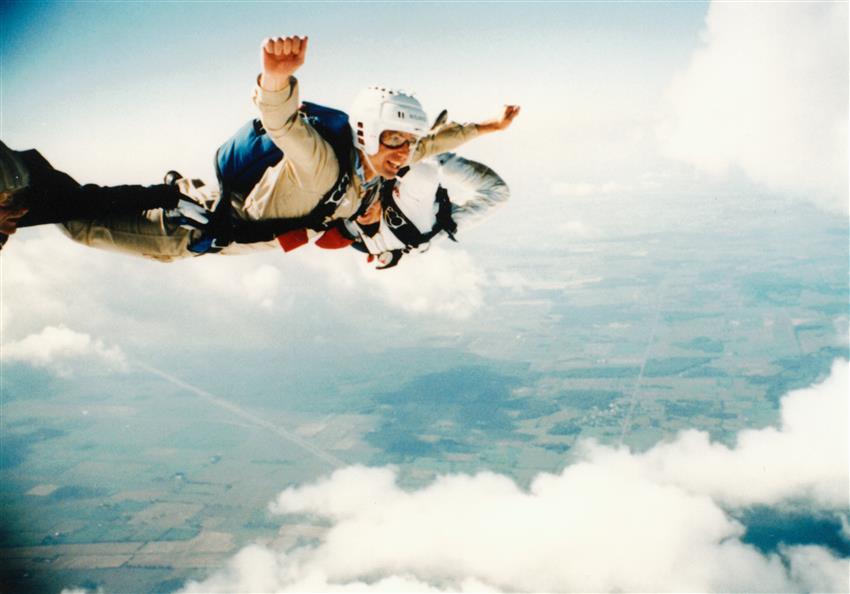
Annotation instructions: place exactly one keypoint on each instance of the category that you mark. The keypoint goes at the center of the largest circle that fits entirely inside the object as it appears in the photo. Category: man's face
(394, 151)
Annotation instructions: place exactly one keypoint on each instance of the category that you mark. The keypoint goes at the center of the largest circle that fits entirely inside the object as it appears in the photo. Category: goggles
(393, 139)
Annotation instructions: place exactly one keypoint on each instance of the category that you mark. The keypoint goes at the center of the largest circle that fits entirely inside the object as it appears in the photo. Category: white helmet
(415, 195)
(377, 109)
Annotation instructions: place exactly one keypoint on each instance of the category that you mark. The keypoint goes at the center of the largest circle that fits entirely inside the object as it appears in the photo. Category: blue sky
(170, 80)
(118, 92)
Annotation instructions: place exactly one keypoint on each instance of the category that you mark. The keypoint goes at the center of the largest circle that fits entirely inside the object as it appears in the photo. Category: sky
(614, 94)
(181, 91)
(645, 100)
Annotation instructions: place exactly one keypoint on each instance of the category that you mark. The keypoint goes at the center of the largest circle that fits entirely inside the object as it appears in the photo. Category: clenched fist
(281, 57)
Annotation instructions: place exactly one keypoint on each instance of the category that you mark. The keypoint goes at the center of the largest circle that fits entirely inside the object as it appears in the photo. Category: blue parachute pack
(243, 159)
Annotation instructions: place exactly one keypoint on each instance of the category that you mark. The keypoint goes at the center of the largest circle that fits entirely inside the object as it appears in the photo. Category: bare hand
(511, 111)
(9, 218)
(281, 57)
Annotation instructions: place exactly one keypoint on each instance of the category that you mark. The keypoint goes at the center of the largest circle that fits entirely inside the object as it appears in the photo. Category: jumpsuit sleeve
(311, 158)
(446, 138)
(482, 186)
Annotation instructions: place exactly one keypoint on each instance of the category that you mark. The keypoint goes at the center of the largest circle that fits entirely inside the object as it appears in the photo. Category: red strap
(292, 239)
(333, 239)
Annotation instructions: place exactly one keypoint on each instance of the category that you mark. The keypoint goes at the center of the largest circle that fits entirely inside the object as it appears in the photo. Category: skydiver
(430, 199)
(291, 189)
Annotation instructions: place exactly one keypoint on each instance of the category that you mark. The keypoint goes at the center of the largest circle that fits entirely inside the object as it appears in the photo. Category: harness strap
(405, 230)
(319, 219)
(241, 162)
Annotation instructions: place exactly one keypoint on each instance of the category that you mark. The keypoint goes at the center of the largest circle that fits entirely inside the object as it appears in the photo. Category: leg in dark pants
(55, 197)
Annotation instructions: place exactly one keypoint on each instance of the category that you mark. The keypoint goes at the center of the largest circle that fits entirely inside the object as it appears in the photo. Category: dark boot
(172, 177)
(14, 177)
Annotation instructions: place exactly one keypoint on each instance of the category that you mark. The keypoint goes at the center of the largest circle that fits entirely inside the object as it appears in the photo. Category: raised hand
(511, 112)
(281, 57)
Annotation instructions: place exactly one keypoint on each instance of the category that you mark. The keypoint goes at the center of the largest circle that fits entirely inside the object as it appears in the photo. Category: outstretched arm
(448, 137)
(502, 123)
(474, 189)
(281, 57)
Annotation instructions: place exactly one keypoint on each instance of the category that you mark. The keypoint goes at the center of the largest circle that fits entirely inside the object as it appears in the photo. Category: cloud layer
(444, 281)
(59, 348)
(613, 520)
(49, 281)
(767, 93)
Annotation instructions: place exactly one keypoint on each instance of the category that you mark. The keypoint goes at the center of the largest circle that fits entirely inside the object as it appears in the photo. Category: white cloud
(582, 189)
(259, 569)
(57, 348)
(818, 568)
(768, 93)
(613, 520)
(262, 285)
(510, 279)
(238, 278)
(48, 280)
(36, 265)
(443, 282)
(573, 230)
(806, 457)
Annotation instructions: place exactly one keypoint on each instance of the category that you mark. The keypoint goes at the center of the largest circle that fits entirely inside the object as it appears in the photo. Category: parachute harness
(404, 229)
